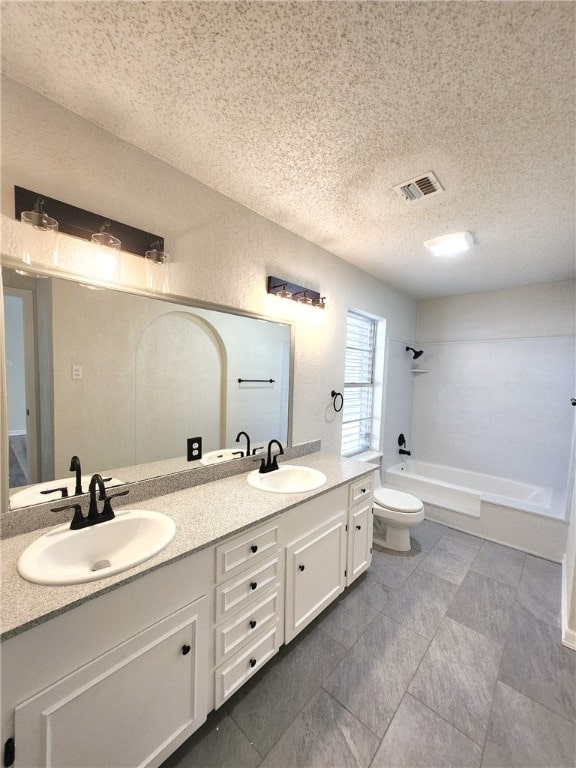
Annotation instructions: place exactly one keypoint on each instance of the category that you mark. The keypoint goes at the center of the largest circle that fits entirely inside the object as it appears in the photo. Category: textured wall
(221, 251)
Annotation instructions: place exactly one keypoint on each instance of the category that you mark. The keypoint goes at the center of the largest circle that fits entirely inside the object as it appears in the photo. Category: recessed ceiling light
(450, 245)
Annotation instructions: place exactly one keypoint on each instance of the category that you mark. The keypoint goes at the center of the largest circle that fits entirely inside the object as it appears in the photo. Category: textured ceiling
(309, 113)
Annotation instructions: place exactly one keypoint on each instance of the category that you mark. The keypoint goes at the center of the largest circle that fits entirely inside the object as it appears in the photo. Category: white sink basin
(32, 493)
(225, 454)
(288, 478)
(63, 556)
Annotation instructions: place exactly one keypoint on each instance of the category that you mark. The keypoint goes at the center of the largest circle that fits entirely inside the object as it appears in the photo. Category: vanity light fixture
(450, 245)
(286, 290)
(38, 218)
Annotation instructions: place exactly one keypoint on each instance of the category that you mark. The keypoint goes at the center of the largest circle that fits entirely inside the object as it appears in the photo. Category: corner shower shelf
(418, 370)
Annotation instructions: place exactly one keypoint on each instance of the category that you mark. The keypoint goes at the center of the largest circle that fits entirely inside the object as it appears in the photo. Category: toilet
(395, 513)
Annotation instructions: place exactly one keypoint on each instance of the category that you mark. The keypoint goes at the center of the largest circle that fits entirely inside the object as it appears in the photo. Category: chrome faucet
(271, 463)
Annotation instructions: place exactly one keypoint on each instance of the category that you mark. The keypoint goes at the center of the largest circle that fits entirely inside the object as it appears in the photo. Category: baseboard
(568, 635)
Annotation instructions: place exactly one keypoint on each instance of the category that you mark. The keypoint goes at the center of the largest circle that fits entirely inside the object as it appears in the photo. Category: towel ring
(335, 395)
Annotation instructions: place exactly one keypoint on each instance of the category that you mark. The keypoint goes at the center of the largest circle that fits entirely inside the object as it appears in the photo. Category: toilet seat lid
(397, 500)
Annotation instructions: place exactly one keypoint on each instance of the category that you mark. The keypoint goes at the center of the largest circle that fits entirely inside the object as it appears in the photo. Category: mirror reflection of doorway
(179, 387)
(21, 384)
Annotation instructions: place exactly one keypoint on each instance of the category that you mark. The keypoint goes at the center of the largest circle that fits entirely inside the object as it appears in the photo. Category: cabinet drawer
(232, 634)
(232, 556)
(235, 593)
(361, 489)
(231, 675)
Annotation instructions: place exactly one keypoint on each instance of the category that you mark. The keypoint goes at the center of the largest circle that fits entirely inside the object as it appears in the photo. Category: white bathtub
(521, 515)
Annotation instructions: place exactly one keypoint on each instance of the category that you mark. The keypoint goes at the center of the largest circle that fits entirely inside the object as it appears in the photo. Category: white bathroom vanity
(120, 672)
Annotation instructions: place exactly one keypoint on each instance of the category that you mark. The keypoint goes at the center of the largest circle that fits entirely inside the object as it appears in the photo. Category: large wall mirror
(124, 380)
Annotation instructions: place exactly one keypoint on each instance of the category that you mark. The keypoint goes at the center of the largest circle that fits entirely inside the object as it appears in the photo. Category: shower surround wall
(501, 372)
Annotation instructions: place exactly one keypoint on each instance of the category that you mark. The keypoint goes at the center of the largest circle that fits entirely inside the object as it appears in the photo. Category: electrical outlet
(77, 372)
(194, 448)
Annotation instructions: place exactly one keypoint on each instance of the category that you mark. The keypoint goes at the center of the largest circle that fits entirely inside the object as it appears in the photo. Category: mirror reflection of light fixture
(38, 218)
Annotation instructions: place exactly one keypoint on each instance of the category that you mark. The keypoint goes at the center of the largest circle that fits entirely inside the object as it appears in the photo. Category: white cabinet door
(315, 573)
(359, 541)
(130, 707)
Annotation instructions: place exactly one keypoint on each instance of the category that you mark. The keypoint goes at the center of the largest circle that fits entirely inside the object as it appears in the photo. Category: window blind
(358, 383)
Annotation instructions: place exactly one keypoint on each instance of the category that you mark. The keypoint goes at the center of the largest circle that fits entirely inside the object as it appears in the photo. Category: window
(358, 383)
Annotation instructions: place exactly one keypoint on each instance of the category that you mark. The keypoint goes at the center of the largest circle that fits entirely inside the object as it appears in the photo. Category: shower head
(416, 352)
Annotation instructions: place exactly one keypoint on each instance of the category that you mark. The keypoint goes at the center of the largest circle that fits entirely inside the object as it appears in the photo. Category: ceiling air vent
(416, 189)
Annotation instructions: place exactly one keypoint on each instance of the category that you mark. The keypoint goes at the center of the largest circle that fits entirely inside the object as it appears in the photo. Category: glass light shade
(106, 239)
(157, 270)
(39, 220)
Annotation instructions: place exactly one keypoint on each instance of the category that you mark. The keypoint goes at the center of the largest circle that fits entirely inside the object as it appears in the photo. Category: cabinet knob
(252, 624)
(358, 527)
(301, 567)
(363, 490)
(254, 548)
(252, 662)
(253, 585)
(185, 650)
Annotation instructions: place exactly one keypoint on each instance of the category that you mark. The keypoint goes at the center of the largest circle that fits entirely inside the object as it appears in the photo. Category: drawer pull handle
(301, 567)
(253, 585)
(185, 650)
(252, 624)
(358, 527)
(252, 662)
(254, 548)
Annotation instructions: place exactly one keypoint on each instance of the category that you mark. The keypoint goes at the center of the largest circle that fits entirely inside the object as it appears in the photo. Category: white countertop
(203, 515)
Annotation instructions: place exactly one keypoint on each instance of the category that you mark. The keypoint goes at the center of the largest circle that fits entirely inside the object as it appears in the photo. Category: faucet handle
(63, 491)
(78, 521)
(107, 511)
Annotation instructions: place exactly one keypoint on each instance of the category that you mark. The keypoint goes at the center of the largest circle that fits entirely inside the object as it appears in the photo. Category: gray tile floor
(448, 655)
